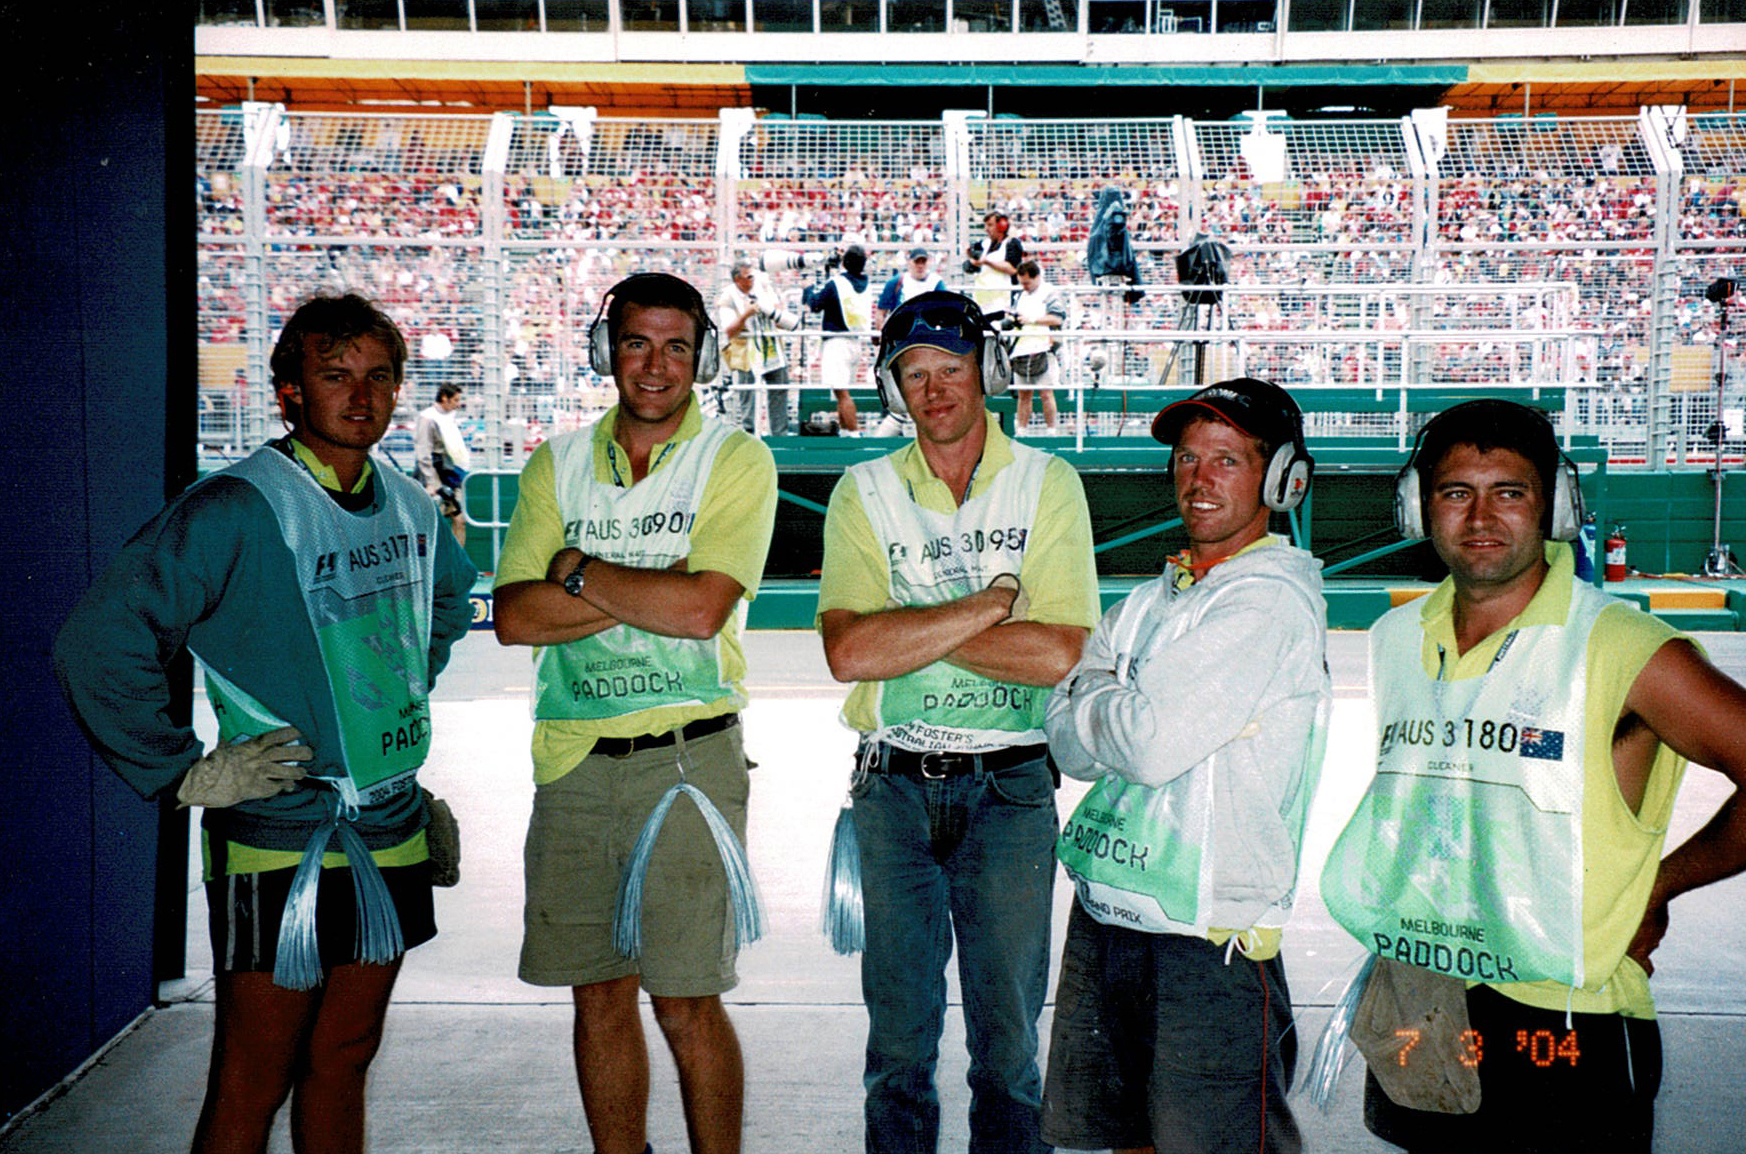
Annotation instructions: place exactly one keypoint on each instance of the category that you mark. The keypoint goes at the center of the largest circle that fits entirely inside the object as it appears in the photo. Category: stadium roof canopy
(676, 89)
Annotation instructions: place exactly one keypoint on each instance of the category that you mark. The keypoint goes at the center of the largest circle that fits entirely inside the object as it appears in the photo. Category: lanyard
(1443, 656)
(612, 460)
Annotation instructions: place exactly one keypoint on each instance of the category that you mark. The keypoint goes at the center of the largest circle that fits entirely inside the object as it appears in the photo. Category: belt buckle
(928, 774)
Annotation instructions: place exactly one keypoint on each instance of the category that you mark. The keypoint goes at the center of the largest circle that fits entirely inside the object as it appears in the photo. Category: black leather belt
(625, 746)
(937, 764)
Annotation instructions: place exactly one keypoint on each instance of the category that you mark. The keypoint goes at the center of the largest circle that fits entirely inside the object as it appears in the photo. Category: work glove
(1021, 604)
(246, 770)
(442, 839)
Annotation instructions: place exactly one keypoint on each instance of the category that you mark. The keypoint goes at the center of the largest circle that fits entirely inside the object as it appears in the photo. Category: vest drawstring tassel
(379, 938)
(843, 917)
(627, 922)
(297, 963)
(1331, 1049)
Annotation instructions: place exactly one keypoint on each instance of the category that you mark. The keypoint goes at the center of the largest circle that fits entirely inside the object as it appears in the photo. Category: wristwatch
(573, 580)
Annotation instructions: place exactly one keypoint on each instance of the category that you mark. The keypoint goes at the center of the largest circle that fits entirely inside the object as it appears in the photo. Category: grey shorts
(584, 827)
(1158, 1042)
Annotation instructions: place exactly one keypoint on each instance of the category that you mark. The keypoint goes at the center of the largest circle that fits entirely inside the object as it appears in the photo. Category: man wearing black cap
(1505, 863)
(958, 585)
(1197, 708)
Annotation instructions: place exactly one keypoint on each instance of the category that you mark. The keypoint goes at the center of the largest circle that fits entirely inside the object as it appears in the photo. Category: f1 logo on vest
(327, 566)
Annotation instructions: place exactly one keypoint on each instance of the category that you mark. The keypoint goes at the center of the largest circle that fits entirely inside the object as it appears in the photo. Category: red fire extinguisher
(1616, 567)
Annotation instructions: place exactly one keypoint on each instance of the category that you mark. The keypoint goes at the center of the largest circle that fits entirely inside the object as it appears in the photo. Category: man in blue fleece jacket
(321, 597)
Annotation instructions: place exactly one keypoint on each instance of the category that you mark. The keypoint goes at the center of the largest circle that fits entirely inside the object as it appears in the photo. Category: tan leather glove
(442, 838)
(246, 770)
(1021, 604)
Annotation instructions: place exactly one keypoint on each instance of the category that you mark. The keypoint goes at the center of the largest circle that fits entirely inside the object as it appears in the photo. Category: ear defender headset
(680, 295)
(1288, 474)
(1409, 495)
(943, 317)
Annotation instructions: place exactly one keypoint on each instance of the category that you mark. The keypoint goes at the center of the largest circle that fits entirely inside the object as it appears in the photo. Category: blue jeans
(971, 856)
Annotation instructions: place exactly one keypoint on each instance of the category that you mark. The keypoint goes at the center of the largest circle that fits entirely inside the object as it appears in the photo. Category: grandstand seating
(491, 239)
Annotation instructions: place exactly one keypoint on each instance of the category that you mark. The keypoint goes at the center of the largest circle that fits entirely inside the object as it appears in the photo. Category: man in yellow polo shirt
(630, 548)
(957, 587)
(1505, 864)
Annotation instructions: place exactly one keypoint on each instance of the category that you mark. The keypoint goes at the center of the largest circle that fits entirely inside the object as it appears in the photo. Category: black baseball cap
(918, 254)
(1251, 406)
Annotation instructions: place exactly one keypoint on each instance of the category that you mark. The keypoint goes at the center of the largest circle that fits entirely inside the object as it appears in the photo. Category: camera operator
(845, 301)
(993, 263)
(749, 313)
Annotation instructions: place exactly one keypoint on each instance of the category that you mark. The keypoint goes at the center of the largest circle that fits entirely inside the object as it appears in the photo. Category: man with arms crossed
(957, 586)
(1533, 736)
(1198, 708)
(321, 597)
(631, 545)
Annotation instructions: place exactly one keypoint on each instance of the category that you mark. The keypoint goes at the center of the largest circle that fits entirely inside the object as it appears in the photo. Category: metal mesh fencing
(349, 176)
(808, 183)
(493, 239)
(599, 180)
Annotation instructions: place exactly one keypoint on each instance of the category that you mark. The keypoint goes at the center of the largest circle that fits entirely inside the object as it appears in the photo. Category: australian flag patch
(1546, 744)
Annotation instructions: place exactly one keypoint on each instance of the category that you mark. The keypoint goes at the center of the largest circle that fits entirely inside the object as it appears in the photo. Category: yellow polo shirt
(1621, 849)
(1058, 571)
(735, 521)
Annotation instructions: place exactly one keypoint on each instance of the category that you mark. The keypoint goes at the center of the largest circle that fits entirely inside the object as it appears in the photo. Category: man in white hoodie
(1198, 708)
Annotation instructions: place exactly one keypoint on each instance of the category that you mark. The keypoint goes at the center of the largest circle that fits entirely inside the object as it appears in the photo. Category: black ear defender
(1409, 494)
(940, 320)
(682, 295)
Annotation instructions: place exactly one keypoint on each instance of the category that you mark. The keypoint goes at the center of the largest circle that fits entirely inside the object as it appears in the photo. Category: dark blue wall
(87, 376)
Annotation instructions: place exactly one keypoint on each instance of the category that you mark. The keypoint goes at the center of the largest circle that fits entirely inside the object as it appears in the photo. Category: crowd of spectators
(1512, 205)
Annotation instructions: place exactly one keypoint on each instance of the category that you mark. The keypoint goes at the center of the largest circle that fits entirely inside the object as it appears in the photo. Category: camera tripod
(1199, 317)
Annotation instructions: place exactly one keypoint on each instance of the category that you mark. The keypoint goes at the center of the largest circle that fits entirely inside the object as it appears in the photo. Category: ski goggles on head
(947, 321)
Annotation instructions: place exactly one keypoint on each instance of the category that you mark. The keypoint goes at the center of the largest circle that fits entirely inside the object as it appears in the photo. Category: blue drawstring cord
(297, 964)
(627, 921)
(842, 915)
(1331, 1051)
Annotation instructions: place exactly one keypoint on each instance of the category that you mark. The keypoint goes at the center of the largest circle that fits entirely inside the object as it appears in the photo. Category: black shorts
(1544, 1086)
(243, 913)
(1159, 1041)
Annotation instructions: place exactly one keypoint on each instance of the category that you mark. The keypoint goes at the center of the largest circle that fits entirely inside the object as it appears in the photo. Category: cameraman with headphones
(1198, 710)
(957, 586)
(631, 546)
(1505, 864)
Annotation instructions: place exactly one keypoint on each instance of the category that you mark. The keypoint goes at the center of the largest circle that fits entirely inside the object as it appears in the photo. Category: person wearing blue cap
(1197, 709)
(957, 587)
